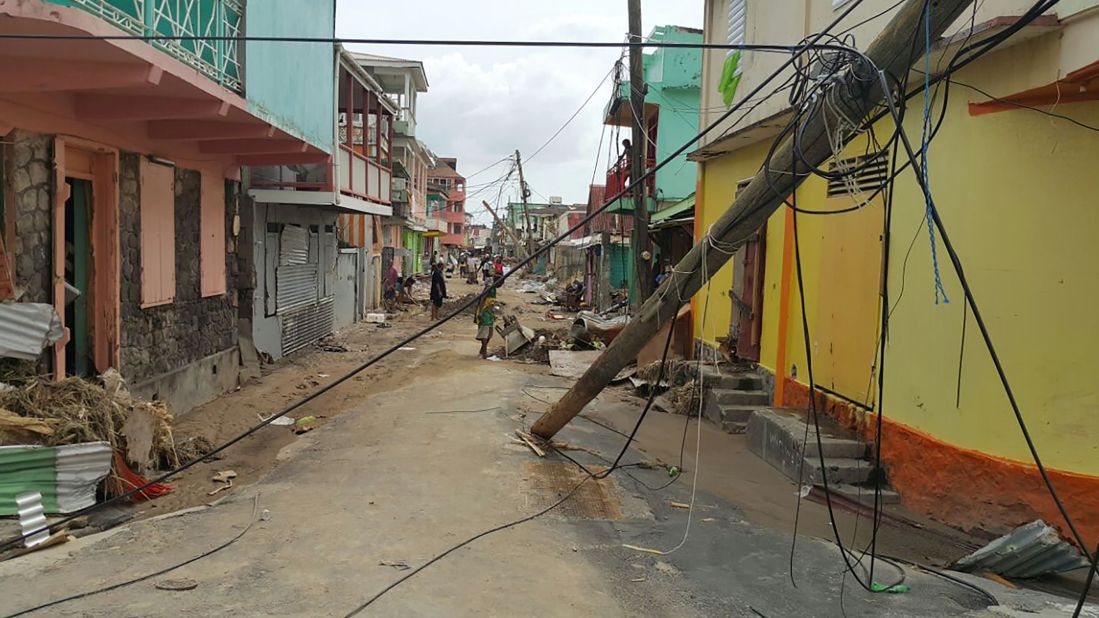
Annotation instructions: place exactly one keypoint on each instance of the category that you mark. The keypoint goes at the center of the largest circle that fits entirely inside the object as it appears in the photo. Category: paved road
(413, 471)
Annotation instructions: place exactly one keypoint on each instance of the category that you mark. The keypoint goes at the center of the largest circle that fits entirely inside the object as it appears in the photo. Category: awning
(344, 203)
(685, 205)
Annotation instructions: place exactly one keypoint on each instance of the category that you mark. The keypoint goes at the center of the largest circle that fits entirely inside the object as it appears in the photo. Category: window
(461, 186)
(212, 230)
(736, 35)
(158, 234)
(457, 228)
(738, 22)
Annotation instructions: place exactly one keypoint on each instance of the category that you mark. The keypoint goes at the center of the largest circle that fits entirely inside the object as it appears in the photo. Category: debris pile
(684, 399)
(76, 411)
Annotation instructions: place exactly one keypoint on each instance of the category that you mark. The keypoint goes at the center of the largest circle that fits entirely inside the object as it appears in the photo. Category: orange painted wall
(963, 487)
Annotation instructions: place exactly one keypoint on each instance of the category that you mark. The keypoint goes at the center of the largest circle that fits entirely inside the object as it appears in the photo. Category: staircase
(728, 400)
(776, 436)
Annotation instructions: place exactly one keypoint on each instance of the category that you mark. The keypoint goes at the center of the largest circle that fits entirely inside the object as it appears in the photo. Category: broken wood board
(568, 364)
(529, 441)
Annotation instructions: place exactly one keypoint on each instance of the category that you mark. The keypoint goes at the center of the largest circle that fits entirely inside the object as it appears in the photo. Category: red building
(445, 175)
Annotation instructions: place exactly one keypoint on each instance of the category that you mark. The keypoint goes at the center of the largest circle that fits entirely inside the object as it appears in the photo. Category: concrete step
(741, 397)
(734, 427)
(718, 413)
(835, 448)
(776, 437)
(864, 494)
(846, 471)
(716, 378)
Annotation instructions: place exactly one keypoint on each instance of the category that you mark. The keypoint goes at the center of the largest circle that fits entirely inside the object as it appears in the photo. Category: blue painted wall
(291, 84)
(674, 77)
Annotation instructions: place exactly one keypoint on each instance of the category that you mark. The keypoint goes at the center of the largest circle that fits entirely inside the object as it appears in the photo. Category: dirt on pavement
(298, 375)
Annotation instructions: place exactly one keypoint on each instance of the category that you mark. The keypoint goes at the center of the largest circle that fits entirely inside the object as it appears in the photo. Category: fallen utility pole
(640, 146)
(524, 193)
(857, 91)
(501, 223)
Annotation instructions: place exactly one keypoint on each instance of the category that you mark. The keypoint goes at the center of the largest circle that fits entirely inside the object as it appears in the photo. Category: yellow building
(1017, 191)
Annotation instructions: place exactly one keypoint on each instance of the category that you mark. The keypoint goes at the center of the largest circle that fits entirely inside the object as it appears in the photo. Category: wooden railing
(363, 178)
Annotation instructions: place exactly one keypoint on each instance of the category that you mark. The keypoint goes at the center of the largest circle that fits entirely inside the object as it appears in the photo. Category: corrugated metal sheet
(293, 245)
(296, 286)
(303, 326)
(27, 328)
(1027, 551)
(66, 476)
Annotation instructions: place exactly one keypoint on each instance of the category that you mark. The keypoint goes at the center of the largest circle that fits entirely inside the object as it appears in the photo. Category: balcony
(218, 59)
(362, 177)
(618, 178)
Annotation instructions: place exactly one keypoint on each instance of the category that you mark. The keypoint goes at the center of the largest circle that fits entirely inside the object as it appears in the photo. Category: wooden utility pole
(503, 224)
(639, 134)
(523, 194)
(859, 91)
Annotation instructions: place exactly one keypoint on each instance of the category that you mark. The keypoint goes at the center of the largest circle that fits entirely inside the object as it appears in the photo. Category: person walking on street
(473, 265)
(499, 266)
(485, 317)
(486, 268)
(438, 289)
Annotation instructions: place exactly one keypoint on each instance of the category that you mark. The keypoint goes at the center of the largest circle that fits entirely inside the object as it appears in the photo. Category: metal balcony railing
(218, 59)
(618, 178)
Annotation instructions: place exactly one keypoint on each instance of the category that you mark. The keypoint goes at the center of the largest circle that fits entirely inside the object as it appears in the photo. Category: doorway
(746, 327)
(79, 355)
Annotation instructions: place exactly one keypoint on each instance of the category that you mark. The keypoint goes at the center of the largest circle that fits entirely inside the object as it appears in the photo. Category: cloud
(484, 103)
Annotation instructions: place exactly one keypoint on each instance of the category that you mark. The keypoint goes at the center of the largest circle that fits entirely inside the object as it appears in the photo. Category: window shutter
(158, 234)
(738, 22)
(212, 243)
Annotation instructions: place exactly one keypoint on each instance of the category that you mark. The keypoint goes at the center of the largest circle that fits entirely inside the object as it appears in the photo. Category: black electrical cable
(871, 18)
(1023, 106)
(471, 539)
(1087, 586)
(84, 595)
(989, 597)
(589, 476)
(572, 117)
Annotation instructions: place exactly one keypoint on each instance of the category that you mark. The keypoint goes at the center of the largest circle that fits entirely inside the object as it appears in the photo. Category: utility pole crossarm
(892, 52)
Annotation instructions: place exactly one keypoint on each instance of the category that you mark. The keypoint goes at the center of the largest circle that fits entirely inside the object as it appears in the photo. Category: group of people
(492, 270)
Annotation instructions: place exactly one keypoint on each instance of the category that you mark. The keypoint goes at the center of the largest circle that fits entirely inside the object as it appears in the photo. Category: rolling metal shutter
(297, 285)
(303, 326)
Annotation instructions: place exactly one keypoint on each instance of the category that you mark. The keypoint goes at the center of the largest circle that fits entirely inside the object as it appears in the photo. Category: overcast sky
(483, 103)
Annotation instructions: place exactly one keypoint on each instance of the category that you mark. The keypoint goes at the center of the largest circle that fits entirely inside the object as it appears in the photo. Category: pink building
(445, 176)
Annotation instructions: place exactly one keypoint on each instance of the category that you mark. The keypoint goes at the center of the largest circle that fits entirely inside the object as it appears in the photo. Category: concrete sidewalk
(411, 472)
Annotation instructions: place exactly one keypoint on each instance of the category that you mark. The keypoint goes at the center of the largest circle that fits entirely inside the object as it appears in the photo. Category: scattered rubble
(1026, 552)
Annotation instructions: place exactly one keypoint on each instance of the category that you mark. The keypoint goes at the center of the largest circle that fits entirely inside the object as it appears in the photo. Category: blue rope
(940, 291)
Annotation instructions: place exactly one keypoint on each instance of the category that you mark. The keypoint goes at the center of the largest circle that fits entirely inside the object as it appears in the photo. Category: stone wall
(158, 340)
(31, 191)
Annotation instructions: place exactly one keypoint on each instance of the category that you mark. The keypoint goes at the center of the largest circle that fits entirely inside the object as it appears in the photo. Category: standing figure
(390, 295)
(485, 317)
(438, 289)
(486, 269)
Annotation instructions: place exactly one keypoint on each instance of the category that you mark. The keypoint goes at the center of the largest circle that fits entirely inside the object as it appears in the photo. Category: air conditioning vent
(868, 179)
